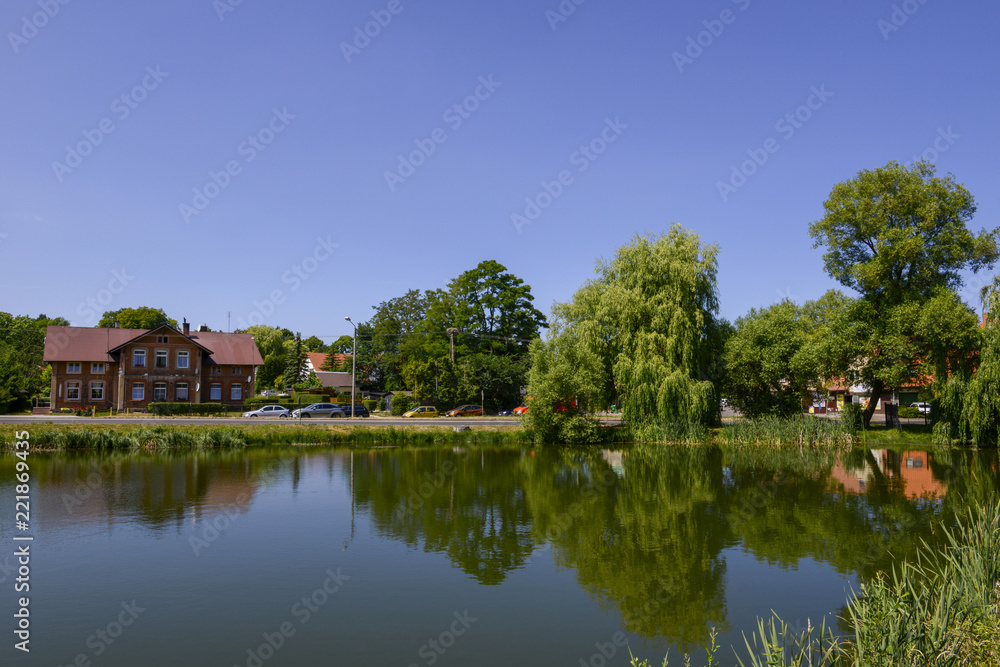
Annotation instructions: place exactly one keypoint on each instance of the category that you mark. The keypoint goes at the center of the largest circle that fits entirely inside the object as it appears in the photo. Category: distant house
(339, 382)
(131, 368)
(316, 360)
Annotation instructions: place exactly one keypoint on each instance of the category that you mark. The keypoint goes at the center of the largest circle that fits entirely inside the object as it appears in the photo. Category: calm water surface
(457, 557)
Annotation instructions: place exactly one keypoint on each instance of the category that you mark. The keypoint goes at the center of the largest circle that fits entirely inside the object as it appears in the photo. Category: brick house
(128, 369)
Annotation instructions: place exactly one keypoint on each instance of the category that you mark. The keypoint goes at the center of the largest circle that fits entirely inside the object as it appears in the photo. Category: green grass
(137, 437)
(941, 609)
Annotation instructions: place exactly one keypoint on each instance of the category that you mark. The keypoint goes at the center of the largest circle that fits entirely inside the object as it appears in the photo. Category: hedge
(169, 409)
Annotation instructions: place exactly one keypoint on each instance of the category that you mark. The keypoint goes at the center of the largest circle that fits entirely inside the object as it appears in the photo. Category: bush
(201, 409)
(852, 416)
(370, 405)
(402, 403)
(910, 412)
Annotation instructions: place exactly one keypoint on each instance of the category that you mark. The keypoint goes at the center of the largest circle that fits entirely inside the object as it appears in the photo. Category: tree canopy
(143, 317)
(898, 236)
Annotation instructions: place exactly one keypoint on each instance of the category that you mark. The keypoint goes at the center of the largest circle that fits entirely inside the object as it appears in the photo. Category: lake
(499, 556)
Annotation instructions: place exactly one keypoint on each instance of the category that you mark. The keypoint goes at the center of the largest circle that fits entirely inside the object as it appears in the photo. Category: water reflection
(647, 532)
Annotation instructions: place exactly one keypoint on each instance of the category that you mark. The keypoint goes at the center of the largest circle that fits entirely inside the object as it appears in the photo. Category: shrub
(910, 412)
(201, 409)
(402, 403)
(371, 405)
(852, 416)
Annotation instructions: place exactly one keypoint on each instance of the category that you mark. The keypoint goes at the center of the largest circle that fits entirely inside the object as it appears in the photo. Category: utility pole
(354, 384)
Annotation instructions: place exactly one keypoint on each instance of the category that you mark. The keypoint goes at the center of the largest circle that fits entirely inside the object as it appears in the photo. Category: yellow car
(422, 411)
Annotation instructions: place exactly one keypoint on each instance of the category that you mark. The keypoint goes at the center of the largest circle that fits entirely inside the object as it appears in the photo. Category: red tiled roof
(319, 358)
(92, 344)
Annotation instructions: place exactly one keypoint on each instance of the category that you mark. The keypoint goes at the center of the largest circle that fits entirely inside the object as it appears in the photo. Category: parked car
(359, 411)
(506, 413)
(268, 411)
(925, 408)
(466, 411)
(319, 410)
(422, 411)
(520, 410)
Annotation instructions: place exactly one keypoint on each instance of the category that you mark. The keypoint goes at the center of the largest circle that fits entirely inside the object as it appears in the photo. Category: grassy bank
(66, 437)
(941, 609)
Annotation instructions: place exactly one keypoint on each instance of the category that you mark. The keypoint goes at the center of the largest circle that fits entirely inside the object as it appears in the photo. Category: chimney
(187, 327)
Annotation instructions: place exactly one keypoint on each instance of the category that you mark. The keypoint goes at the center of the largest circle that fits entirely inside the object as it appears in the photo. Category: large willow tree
(651, 319)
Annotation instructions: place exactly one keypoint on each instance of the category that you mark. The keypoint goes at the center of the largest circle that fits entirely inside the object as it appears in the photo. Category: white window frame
(136, 353)
(235, 392)
(183, 359)
(74, 367)
(215, 392)
(98, 389)
(159, 392)
(70, 386)
(181, 386)
(161, 354)
(141, 387)
(97, 368)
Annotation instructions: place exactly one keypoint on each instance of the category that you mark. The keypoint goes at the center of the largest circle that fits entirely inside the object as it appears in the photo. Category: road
(239, 421)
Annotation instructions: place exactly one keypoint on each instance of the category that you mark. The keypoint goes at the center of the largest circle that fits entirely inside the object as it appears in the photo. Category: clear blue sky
(201, 77)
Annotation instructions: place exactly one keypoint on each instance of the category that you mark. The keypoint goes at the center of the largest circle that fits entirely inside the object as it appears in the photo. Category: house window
(139, 359)
(97, 391)
(182, 392)
(236, 392)
(97, 369)
(138, 391)
(216, 370)
(72, 391)
(159, 391)
(73, 367)
(183, 359)
(216, 394)
(162, 339)
(237, 370)
(161, 358)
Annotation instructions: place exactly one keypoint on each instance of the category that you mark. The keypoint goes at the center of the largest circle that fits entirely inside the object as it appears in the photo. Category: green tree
(314, 344)
(342, 345)
(143, 317)
(295, 361)
(22, 371)
(496, 307)
(650, 317)
(769, 366)
(897, 236)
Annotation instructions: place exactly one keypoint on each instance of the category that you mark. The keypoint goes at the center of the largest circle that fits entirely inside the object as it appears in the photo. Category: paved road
(233, 421)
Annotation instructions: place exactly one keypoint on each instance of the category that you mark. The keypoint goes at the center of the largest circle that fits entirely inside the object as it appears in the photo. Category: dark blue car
(359, 411)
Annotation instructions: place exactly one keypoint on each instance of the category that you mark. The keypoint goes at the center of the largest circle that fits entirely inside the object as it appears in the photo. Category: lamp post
(354, 365)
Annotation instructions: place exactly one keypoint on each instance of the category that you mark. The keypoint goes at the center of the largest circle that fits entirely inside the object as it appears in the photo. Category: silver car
(319, 410)
(268, 411)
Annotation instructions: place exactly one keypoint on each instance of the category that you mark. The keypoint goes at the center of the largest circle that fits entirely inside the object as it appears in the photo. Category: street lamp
(354, 364)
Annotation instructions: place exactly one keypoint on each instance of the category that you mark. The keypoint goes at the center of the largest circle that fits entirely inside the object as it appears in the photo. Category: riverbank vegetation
(940, 609)
(67, 437)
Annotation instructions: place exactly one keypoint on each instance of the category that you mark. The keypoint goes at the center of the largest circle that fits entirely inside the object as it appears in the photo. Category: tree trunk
(877, 387)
